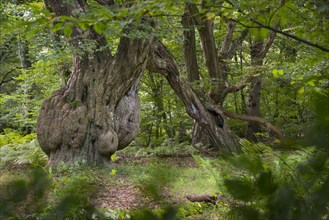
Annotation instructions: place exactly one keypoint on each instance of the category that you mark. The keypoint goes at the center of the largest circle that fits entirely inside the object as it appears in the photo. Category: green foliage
(270, 185)
(163, 116)
(30, 197)
(25, 153)
(21, 108)
(70, 198)
(167, 148)
(18, 149)
(11, 136)
(24, 195)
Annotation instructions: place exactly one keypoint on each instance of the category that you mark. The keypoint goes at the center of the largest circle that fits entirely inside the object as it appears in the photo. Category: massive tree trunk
(97, 112)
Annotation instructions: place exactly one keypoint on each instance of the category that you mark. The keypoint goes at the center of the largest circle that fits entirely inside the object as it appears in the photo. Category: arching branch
(239, 86)
(161, 61)
(256, 119)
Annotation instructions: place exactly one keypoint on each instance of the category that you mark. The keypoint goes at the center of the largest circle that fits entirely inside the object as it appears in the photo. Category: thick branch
(268, 42)
(256, 119)
(228, 37)
(236, 44)
(161, 61)
(237, 87)
(204, 198)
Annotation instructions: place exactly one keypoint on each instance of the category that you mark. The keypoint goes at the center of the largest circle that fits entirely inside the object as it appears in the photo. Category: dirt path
(123, 195)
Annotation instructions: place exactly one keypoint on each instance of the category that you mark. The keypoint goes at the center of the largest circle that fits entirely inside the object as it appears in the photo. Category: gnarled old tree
(97, 112)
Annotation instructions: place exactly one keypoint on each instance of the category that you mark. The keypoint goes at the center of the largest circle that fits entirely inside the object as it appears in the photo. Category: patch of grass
(194, 181)
(72, 190)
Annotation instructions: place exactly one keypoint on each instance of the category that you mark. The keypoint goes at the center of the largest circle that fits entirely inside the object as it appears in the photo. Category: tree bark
(189, 45)
(258, 51)
(207, 115)
(258, 120)
(97, 112)
(254, 93)
(216, 61)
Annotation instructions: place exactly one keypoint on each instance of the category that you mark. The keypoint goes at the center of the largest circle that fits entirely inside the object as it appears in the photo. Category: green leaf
(83, 25)
(210, 15)
(247, 213)
(68, 30)
(311, 83)
(301, 90)
(100, 27)
(265, 183)
(247, 163)
(240, 189)
(57, 26)
(277, 73)
(114, 157)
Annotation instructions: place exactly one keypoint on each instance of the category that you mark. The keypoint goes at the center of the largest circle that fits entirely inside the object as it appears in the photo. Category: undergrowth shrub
(11, 136)
(27, 152)
(267, 184)
(168, 147)
(23, 198)
(70, 197)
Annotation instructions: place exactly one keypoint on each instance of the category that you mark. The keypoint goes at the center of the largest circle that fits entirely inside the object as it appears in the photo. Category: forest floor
(130, 183)
(129, 194)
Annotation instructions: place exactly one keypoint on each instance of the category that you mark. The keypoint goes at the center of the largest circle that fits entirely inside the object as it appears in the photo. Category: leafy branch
(261, 25)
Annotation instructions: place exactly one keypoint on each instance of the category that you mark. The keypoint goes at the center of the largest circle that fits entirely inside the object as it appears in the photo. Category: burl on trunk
(97, 113)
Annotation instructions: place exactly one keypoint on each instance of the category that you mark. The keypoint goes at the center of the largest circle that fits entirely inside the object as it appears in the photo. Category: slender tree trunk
(254, 108)
(189, 44)
(258, 51)
(254, 93)
(215, 60)
(25, 64)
